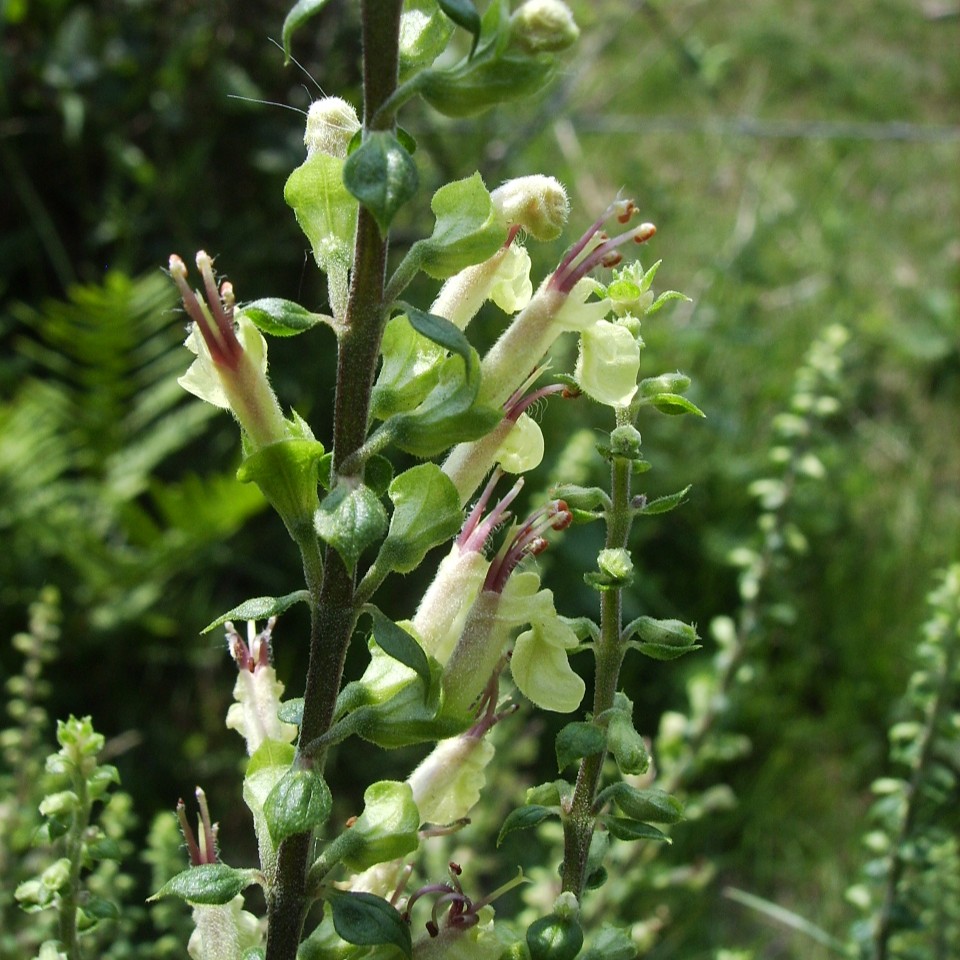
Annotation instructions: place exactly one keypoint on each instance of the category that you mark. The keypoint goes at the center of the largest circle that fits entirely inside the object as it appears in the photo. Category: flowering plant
(486, 635)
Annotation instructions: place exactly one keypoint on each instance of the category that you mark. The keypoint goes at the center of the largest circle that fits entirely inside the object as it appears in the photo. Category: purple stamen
(517, 407)
(475, 532)
(577, 263)
(527, 541)
(215, 318)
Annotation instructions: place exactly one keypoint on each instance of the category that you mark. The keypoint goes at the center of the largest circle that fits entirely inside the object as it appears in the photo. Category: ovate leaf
(259, 608)
(464, 14)
(624, 829)
(381, 174)
(365, 920)
(578, 740)
(441, 331)
(209, 883)
(523, 818)
(282, 318)
(300, 802)
(397, 643)
(350, 519)
(302, 11)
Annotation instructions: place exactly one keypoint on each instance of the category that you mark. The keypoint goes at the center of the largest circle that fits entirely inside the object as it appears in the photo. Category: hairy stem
(579, 824)
(333, 606)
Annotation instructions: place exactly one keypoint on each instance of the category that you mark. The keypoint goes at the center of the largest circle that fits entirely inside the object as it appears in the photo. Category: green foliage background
(801, 164)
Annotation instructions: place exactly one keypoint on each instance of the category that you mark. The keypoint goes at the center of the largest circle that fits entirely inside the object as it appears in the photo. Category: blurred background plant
(801, 169)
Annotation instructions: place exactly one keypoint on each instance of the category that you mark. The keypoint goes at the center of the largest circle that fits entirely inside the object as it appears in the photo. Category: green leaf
(426, 512)
(644, 805)
(365, 920)
(106, 848)
(663, 504)
(302, 11)
(350, 519)
(259, 608)
(464, 14)
(675, 404)
(397, 643)
(377, 474)
(212, 884)
(610, 943)
(99, 908)
(381, 174)
(624, 829)
(664, 299)
(442, 332)
(523, 818)
(578, 740)
(281, 318)
(300, 802)
(467, 231)
(663, 651)
(291, 711)
(554, 937)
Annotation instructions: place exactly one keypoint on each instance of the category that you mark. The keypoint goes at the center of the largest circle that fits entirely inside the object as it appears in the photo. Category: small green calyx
(625, 442)
(614, 569)
(626, 745)
(468, 229)
(557, 936)
(298, 803)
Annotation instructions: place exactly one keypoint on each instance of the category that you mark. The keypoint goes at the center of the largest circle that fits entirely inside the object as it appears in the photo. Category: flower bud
(543, 26)
(626, 745)
(537, 203)
(59, 805)
(331, 124)
(674, 633)
(665, 383)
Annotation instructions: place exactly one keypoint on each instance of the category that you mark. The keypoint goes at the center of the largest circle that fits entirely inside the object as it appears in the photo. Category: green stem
(579, 824)
(333, 606)
(70, 901)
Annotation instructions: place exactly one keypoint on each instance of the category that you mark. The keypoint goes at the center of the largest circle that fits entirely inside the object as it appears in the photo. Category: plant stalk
(578, 825)
(333, 605)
